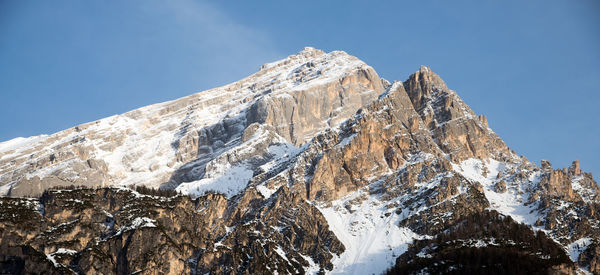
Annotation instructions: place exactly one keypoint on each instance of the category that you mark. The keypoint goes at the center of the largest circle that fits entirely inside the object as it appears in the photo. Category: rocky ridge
(313, 164)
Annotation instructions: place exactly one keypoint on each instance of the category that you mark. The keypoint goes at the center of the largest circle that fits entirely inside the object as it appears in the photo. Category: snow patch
(265, 191)
(19, 142)
(143, 222)
(65, 251)
(281, 253)
(373, 240)
(230, 181)
(511, 202)
(139, 222)
(578, 246)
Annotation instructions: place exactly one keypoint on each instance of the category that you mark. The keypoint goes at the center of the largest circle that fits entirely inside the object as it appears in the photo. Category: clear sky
(532, 67)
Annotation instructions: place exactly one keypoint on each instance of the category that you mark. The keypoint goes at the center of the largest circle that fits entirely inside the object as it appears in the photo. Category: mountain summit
(193, 138)
(314, 164)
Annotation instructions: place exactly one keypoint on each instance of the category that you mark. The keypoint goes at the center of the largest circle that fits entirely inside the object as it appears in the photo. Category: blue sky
(532, 67)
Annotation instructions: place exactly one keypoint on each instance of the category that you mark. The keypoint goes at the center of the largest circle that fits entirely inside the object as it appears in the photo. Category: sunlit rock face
(314, 164)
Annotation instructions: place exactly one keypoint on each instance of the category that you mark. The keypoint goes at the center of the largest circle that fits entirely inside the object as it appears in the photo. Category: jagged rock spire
(422, 84)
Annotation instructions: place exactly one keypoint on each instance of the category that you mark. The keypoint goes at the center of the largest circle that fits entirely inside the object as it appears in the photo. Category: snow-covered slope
(371, 235)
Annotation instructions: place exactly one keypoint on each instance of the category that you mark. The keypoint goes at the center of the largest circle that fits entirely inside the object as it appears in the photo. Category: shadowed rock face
(313, 164)
(119, 231)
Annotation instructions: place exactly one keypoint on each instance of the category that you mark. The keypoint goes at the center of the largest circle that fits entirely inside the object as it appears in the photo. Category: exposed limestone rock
(562, 200)
(500, 187)
(456, 129)
(297, 116)
(90, 173)
(483, 120)
(382, 137)
(546, 165)
(574, 170)
(557, 183)
(453, 198)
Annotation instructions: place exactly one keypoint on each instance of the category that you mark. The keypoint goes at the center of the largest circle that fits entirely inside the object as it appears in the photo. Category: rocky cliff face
(104, 231)
(312, 165)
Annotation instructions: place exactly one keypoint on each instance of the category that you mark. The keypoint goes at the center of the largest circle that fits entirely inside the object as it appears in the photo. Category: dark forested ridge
(484, 243)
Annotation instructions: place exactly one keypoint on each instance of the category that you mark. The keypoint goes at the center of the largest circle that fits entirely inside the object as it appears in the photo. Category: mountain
(314, 164)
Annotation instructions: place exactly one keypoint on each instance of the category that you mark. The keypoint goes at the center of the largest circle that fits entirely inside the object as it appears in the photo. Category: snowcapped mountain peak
(182, 136)
(312, 164)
